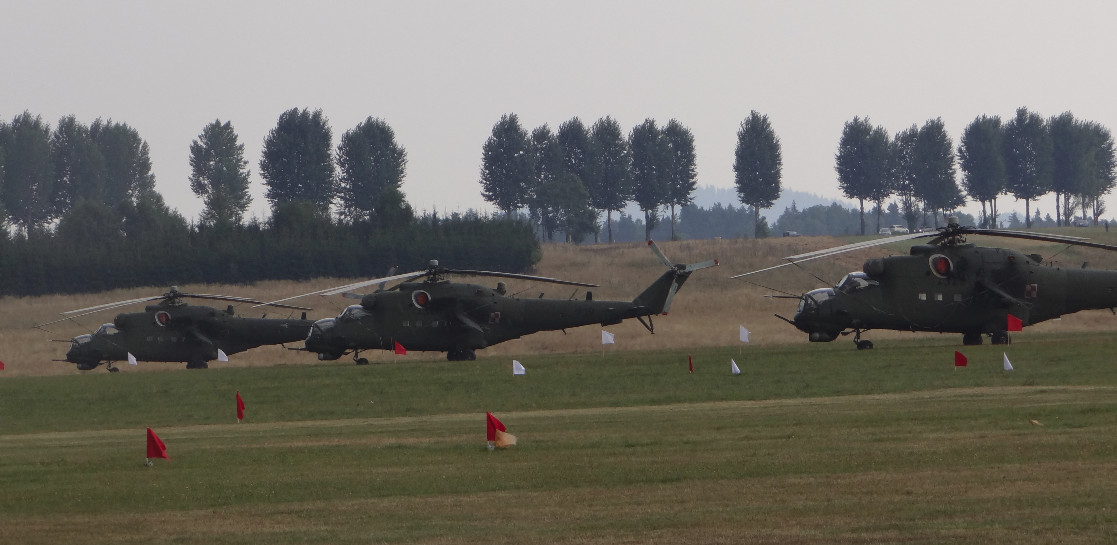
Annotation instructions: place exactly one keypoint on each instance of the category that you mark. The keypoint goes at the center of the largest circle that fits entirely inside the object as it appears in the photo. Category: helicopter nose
(324, 340)
(83, 354)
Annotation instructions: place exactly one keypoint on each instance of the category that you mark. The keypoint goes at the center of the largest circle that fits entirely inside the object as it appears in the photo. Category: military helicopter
(428, 312)
(173, 331)
(950, 286)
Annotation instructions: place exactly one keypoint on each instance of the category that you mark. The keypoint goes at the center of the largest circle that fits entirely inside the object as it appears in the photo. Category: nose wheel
(860, 344)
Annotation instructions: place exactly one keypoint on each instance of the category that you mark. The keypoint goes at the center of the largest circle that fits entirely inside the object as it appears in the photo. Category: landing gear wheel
(114, 369)
(362, 361)
(860, 344)
(197, 364)
(972, 339)
(1001, 337)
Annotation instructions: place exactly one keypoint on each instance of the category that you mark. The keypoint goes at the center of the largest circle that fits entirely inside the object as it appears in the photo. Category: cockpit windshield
(353, 313)
(80, 340)
(855, 281)
(323, 325)
(815, 297)
(107, 329)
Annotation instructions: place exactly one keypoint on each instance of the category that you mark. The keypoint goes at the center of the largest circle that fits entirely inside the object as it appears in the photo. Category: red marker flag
(495, 433)
(155, 446)
(240, 407)
(1014, 323)
(400, 349)
(690, 362)
(959, 359)
(1, 366)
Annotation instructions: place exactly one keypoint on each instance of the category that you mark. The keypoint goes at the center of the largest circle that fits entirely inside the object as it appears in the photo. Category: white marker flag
(1008, 364)
(517, 368)
(606, 337)
(221, 355)
(733, 367)
(131, 359)
(744, 335)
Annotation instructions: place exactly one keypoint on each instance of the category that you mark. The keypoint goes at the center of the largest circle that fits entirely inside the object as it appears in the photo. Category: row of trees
(1027, 157)
(83, 203)
(45, 173)
(566, 178)
(91, 251)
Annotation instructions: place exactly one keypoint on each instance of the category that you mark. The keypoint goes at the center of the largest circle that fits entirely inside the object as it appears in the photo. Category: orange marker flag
(1014, 324)
(155, 446)
(959, 359)
(240, 407)
(495, 433)
(690, 362)
(400, 349)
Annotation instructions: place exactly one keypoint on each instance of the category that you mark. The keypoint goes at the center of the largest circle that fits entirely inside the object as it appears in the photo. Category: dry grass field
(706, 313)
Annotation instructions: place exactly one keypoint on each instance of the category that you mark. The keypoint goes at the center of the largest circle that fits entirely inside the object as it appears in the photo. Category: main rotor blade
(107, 306)
(358, 285)
(238, 300)
(1042, 237)
(517, 276)
(347, 287)
(826, 252)
(858, 246)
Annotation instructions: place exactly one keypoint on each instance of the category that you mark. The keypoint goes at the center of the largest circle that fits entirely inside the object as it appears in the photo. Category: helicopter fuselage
(459, 318)
(957, 289)
(180, 333)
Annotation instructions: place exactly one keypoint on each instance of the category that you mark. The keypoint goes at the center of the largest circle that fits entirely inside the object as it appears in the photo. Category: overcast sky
(442, 73)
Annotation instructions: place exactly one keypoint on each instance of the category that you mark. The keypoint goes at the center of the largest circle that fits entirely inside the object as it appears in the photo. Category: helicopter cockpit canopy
(107, 329)
(352, 313)
(81, 340)
(856, 281)
(813, 298)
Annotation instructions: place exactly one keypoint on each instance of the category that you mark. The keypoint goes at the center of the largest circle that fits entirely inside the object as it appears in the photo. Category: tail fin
(657, 297)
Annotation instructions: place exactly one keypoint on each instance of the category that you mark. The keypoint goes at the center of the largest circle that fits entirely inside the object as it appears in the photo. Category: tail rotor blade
(702, 265)
(670, 297)
(659, 254)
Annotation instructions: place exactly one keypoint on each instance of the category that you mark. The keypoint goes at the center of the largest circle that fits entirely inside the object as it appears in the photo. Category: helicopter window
(923, 297)
(938, 297)
(324, 324)
(815, 297)
(107, 329)
(81, 339)
(855, 281)
(353, 312)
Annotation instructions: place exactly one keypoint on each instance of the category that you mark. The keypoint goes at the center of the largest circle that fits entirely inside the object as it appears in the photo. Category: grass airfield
(810, 444)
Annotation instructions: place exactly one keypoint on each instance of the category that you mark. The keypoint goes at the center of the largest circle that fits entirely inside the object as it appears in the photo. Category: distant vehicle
(884, 231)
(898, 230)
(790, 234)
(1082, 222)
